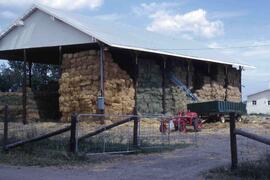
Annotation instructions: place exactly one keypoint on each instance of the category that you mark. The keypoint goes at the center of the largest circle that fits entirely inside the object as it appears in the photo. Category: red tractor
(181, 121)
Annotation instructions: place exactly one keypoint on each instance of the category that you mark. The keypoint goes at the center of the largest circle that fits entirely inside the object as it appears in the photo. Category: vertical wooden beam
(101, 70)
(240, 80)
(60, 61)
(136, 132)
(30, 73)
(164, 85)
(187, 77)
(74, 134)
(136, 82)
(233, 141)
(5, 138)
(24, 100)
(226, 83)
(137, 120)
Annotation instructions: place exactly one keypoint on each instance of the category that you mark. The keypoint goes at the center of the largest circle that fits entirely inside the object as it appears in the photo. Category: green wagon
(218, 109)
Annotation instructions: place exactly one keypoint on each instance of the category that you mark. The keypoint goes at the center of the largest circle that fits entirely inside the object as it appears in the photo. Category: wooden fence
(74, 139)
(233, 132)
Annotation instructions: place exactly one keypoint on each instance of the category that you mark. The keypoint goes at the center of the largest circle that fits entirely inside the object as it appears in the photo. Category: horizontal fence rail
(233, 139)
(38, 138)
(252, 136)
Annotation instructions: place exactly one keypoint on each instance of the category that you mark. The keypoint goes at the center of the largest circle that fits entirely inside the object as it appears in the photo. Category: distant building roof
(261, 92)
(128, 37)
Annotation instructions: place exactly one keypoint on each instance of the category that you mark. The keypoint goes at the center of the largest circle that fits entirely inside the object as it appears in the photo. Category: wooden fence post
(233, 142)
(5, 138)
(73, 134)
(135, 132)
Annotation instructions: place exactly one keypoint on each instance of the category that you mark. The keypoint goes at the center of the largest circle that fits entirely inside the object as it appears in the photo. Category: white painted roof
(265, 92)
(128, 37)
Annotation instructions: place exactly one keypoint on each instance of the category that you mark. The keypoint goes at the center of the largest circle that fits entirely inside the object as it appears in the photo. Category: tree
(11, 75)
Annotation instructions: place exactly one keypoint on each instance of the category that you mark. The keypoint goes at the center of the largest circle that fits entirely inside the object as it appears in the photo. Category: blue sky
(223, 24)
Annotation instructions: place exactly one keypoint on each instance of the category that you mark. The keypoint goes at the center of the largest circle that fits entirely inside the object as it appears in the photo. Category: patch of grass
(54, 152)
(247, 170)
(46, 153)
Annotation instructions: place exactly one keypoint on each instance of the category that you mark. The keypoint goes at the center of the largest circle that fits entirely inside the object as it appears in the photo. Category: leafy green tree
(11, 76)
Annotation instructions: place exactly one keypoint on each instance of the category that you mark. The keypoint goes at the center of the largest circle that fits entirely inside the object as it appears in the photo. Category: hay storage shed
(128, 66)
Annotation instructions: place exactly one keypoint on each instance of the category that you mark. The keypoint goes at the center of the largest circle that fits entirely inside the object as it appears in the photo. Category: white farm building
(259, 103)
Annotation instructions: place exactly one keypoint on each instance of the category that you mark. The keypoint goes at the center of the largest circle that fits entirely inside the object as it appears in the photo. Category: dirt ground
(212, 150)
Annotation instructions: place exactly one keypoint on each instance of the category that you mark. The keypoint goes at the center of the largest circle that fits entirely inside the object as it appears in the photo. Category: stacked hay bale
(79, 85)
(176, 99)
(234, 84)
(149, 91)
(205, 92)
(213, 86)
(119, 89)
(31, 107)
(216, 88)
(218, 84)
(14, 101)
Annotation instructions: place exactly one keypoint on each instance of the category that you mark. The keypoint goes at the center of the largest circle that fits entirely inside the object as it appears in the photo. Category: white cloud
(8, 15)
(60, 4)
(109, 17)
(146, 9)
(194, 22)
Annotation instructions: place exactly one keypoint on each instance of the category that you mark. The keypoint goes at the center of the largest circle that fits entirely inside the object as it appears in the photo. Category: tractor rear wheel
(196, 124)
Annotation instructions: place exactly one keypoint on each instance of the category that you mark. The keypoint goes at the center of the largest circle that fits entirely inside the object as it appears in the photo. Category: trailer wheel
(222, 119)
(239, 118)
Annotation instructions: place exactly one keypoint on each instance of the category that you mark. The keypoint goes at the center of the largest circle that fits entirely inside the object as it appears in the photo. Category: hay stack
(234, 84)
(215, 88)
(14, 101)
(79, 85)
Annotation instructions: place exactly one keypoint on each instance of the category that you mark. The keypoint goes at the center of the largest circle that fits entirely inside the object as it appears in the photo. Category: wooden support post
(164, 85)
(24, 100)
(101, 65)
(5, 138)
(101, 99)
(233, 142)
(60, 61)
(226, 83)
(74, 134)
(136, 132)
(187, 76)
(30, 74)
(240, 80)
(136, 121)
(136, 83)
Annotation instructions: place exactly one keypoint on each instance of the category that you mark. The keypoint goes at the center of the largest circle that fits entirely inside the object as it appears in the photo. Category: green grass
(247, 170)
(44, 153)
(55, 153)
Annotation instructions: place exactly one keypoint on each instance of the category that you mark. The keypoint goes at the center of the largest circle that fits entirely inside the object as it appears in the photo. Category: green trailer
(218, 109)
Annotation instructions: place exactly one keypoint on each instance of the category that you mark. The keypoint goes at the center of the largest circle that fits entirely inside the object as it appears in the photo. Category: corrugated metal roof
(128, 37)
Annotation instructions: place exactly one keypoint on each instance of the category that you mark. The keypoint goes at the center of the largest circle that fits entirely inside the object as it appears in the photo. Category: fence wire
(17, 131)
(251, 151)
(120, 139)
